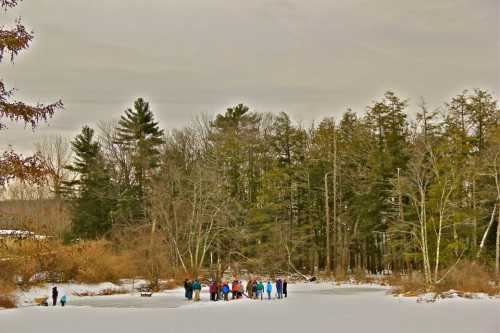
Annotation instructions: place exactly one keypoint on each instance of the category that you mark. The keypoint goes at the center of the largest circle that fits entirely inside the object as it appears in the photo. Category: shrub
(409, 285)
(7, 299)
(94, 262)
(7, 273)
(172, 284)
(86, 261)
(341, 276)
(468, 277)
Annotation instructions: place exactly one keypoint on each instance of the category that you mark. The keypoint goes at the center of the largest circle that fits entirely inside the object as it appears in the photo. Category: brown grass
(7, 299)
(7, 274)
(171, 284)
(94, 262)
(469, 277)
(465, 279)
(7, 302)
(84, 262)
(409, 285)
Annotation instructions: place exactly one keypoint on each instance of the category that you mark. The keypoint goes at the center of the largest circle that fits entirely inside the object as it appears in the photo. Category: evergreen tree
(92, 193)
(386, 120)
(237, 149)
(138, 134)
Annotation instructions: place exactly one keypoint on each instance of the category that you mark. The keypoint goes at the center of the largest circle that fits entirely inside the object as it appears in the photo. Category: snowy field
(309, 308)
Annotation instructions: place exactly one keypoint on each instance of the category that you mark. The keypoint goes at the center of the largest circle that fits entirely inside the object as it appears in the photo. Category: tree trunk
(327, 220)
(474, 220)
(497, 256)
(335, 224)
(485, 235)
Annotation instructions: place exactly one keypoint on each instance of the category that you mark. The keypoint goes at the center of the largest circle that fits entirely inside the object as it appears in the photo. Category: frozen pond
(157, 301)
(175, 300)
(351, 291)
(309, 308)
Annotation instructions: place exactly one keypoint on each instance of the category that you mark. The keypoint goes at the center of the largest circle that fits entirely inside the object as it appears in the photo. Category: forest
(399, 187)
(377, 191)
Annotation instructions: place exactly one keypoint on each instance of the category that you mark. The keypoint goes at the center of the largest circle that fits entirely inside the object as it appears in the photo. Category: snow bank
(20, 234)
(27, 298)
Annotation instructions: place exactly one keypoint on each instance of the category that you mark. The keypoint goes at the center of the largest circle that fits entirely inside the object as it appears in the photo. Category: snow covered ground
(309, 308)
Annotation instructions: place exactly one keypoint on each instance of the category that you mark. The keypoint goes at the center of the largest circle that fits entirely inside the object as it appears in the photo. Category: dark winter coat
(279, 285)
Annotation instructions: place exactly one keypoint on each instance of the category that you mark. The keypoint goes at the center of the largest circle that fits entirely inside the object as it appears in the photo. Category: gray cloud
(310, 58)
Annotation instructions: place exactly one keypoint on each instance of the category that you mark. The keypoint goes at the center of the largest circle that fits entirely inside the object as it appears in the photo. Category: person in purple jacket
(279, 288)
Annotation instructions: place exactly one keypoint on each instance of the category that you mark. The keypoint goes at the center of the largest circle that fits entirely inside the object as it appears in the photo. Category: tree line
(375, 191)
(371, 191)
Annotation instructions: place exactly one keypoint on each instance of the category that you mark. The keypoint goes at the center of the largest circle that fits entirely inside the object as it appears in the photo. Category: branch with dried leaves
(14, 40)
(9, 3)
(19, 111)
(30, 169)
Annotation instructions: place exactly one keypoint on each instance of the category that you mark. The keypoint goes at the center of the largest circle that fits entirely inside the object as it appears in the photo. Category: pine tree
(92, 193)
(235, 139)
(139, 134)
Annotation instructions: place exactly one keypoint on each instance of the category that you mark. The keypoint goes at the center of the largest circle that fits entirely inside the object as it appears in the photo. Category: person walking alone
(55, 294)
(197, 290)
(269, 289)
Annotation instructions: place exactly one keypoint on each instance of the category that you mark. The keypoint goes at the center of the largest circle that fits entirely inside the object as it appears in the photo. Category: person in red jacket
(235, 289)
(213, 291)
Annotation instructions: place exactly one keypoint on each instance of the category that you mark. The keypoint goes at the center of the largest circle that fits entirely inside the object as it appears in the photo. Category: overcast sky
(310, 58)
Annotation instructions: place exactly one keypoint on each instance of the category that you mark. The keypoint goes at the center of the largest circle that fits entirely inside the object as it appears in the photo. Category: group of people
(55, 297)
(192, 287)
(254, 289)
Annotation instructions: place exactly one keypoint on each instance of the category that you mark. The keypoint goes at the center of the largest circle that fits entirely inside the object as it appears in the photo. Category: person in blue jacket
(197, 290)
(63, 301)
(269, 289)
(225, 291)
